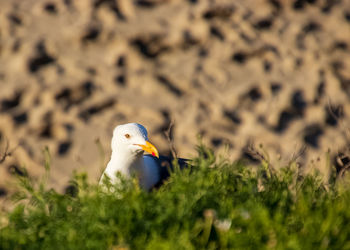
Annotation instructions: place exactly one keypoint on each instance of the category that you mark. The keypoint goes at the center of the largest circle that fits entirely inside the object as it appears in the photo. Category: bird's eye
(127, 136)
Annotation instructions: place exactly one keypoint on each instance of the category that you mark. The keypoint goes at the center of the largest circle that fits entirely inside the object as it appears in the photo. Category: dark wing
(165, 164)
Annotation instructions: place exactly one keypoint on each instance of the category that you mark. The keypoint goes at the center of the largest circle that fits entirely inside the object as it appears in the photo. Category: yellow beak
(149, 148)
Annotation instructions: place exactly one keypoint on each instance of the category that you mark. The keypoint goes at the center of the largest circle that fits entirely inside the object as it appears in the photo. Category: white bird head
(132, 139)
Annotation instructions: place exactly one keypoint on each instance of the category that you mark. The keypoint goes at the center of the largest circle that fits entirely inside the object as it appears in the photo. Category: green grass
(212, 205)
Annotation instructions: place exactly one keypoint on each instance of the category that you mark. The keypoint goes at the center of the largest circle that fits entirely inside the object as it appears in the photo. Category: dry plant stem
(171, 141)
(345, 129)
(7, 152)
(297, 155)
(256, 154)
(344, 167)
(251, 149)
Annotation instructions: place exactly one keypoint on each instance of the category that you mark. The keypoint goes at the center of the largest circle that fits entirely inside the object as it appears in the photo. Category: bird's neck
(127, 164)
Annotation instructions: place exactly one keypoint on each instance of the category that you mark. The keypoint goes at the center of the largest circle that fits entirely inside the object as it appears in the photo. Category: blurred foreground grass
(214, 204)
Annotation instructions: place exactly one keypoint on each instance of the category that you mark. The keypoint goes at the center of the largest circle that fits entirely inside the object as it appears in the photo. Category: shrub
(212, 204)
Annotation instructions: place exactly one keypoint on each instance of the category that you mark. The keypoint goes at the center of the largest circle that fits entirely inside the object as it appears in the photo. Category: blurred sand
(271, 72)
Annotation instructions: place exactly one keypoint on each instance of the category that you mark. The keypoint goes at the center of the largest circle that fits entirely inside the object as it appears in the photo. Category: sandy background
(271, 72)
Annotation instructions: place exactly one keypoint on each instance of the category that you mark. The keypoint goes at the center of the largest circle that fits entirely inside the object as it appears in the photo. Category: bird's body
(143, 167)
(128, 145)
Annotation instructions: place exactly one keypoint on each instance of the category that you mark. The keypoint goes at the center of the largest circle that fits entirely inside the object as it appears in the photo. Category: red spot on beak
(153, 154)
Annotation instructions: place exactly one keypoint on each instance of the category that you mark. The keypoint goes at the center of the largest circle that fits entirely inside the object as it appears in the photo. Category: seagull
(129, 142)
